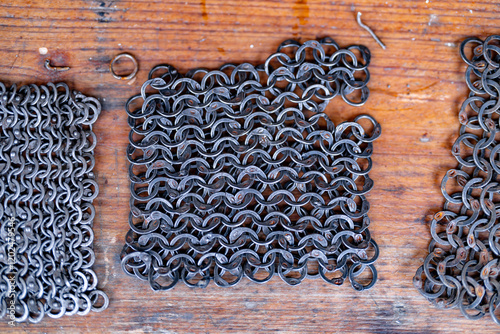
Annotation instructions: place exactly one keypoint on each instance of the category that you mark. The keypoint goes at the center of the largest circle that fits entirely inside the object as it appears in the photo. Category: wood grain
(416, 89)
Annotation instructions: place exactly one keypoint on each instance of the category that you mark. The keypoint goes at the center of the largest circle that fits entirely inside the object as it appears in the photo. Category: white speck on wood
(432, 18)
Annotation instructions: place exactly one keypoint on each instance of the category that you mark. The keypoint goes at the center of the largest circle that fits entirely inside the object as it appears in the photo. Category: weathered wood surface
(416, 89)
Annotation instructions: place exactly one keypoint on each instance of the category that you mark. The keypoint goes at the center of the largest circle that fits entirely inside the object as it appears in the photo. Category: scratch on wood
(13, 63)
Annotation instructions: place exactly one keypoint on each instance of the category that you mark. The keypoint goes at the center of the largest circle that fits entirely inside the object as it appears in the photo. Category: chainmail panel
(462, 267)
(46, 189)
(238, 172)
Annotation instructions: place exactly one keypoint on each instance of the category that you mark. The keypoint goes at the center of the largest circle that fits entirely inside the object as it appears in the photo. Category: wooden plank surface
(416, 89)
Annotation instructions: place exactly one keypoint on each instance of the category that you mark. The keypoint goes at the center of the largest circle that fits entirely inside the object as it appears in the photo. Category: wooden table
(416, 89)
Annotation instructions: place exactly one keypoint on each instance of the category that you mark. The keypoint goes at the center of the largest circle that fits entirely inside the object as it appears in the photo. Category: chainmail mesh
(46, 189)
(462, 267)
(238, 172)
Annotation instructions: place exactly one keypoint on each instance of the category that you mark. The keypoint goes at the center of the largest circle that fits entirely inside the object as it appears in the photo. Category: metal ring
(124, 77)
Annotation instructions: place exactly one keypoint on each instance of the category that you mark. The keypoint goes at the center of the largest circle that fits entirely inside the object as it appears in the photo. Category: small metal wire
(56, 68)
(367, 28)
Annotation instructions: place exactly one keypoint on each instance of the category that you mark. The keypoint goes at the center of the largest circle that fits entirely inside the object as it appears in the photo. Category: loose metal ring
(124, 77)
